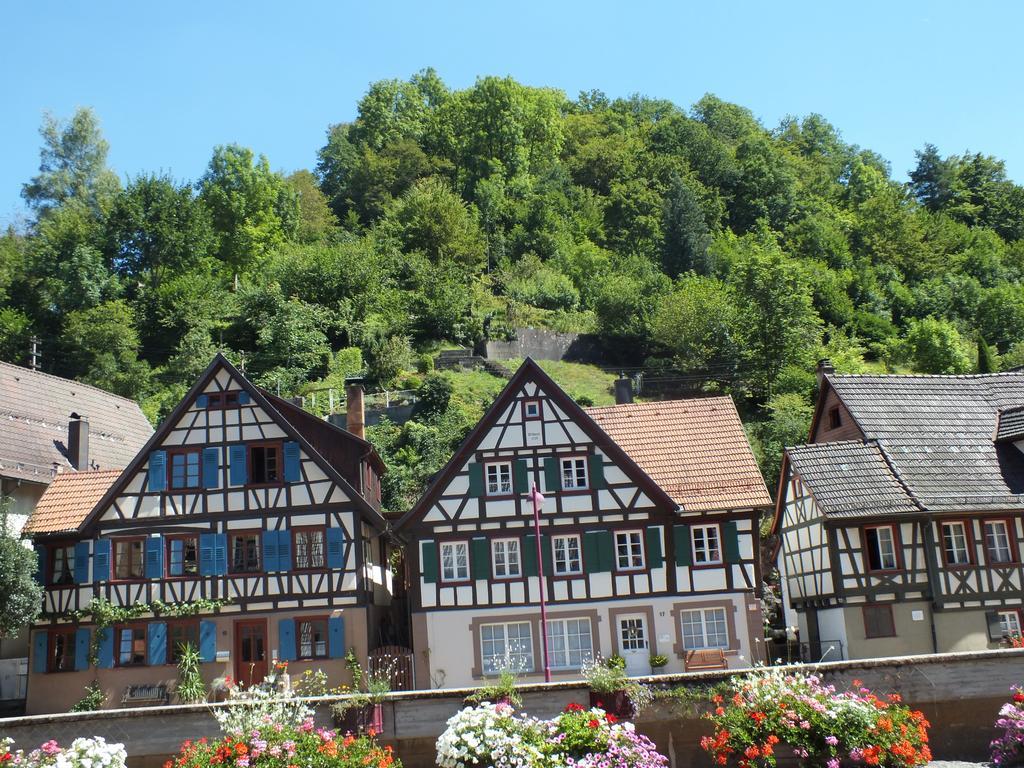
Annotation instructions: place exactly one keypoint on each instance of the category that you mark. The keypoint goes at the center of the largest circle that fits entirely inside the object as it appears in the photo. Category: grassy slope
(577, 379)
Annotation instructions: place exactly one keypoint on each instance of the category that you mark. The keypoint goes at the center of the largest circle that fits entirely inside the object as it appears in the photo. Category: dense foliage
(21, 596)
(694, 238)
(1008, 746)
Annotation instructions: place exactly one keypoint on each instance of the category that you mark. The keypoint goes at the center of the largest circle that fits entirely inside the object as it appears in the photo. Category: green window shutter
(520, 476)
(606, 550)
(552, 481)
(597, 471)
(591, 552)
(655, 558)
(530, 555)
(481, 547)
(476, 479)
(545, 550)
(428, 561)
(730, 542)
(684, 552)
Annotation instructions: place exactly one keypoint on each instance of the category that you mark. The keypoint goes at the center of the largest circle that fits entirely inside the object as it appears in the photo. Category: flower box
(615, 703)
(362, 718)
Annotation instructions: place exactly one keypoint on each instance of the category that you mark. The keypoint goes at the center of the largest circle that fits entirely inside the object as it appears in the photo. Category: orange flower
(752, 751)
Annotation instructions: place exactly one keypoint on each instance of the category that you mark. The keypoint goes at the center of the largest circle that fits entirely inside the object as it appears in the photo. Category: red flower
(593, 723)
(758, 717)
(572, 706)
(611, 718)
(1018, 697)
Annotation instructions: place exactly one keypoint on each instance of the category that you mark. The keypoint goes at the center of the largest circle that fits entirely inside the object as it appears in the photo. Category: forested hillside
(694, 237)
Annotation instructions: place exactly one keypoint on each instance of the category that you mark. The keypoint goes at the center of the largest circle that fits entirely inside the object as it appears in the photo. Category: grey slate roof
(935, 434)
(34, 412)
(1010, 425)
(850, 478)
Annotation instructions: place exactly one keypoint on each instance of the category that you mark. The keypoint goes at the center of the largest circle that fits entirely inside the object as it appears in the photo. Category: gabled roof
(372, 516)
(530, 371)
(68, 500)
(34, 411)
(695, 449)
(944, 438)
(850, 478)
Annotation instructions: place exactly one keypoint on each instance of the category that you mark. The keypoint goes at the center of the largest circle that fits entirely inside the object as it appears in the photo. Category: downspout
(931, 563)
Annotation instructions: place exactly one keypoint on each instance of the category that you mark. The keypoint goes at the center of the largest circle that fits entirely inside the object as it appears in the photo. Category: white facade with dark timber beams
(626, 571)
(902, 521)
(241, 498)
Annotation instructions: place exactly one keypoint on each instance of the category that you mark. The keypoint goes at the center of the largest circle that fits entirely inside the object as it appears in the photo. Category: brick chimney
(623, 391)
(78, 442)
(355, 418)
(824, 367)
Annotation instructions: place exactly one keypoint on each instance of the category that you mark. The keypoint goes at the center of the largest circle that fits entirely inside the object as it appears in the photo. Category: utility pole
(34, 353)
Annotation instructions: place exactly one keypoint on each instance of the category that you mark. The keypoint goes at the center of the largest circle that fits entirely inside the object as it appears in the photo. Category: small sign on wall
(917, 615)
(223, 656)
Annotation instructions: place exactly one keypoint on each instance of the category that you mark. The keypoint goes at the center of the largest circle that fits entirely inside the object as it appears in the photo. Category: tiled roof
(68, 500)
(695, 449)
(34, 411)
(937, 434)
(850, 478)
(1010, 424)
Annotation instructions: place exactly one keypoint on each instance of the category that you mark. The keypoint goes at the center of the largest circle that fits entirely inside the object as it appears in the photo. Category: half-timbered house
(648, 537)
(245, 526)
(901, 520)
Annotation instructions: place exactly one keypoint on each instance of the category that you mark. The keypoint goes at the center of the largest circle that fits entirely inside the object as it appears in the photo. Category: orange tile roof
(68, 500)
(695, 449)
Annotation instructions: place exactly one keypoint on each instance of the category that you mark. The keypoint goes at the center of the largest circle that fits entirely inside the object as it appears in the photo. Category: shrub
(822, 726)
(1008, 747)
(259, 706)
(83, 753)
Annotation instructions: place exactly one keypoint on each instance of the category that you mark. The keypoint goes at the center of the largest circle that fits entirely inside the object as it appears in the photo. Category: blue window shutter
(101, 560)
(336, 637)
(211, 467)
(270, 563)
(207, 641)
(335, 548)
(81, 649)
(154, 557)
(286, 639)
(220, 554)
(40, 646)
(284, 550)
(237, 458)
(243, 398)
(106, 654)
(156, 643)
(202, 402)
(157, 471)
(41, 553)
(82, 562)
(291, 463)
(207, 563)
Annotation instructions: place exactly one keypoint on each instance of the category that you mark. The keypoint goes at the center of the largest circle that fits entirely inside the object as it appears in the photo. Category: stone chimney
(623, 391)
(824, 367)
(355, 417)
(78, 442)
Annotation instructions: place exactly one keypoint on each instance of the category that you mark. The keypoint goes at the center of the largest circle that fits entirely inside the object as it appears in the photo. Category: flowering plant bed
(83, 753)
(278, 746)
(776, 714)
(494, 735)
(1008, 747)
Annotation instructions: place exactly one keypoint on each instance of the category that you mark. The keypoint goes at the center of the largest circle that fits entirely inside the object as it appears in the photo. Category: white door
(633, 644)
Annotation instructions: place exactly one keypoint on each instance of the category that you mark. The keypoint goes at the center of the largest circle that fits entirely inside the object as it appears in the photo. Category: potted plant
(363, 711)
(611, 690)
(657, 662)
(502, 691)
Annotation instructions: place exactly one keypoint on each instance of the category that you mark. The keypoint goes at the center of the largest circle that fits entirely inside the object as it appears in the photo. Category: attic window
(223, 400)
(835, 419)
(531, 409)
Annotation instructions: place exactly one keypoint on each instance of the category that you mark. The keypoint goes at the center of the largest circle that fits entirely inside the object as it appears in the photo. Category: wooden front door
(250, 651)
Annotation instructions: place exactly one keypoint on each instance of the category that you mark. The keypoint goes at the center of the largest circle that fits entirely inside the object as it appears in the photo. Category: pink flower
(50, 748)
(831, 741)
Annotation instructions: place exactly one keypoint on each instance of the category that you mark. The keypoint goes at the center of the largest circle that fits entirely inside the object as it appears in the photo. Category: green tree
(697, 324)
(253, 208)
(789, 422)
(72, 165)
(935, 346)
(432, 219)
(686, 235)
(20, 594)
(316, 220)
(986, 360)
(105, 348)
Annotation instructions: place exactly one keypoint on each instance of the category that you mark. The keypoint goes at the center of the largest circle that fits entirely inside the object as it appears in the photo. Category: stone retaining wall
(959, 693)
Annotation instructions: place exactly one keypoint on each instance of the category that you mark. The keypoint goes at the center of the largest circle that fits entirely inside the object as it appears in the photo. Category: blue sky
(171, 80)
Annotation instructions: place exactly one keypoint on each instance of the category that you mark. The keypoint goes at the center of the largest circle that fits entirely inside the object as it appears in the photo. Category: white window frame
(510, 564)
(455, 569)
(881, 551)
(721, 629)
(635, 545)
(566, 559)
(492, 663)
(1010, 628)
(701, 550)
(527, 404)
(1004, 545)
(563, 634)
(952, 525)
(500, 488)
(569, 473)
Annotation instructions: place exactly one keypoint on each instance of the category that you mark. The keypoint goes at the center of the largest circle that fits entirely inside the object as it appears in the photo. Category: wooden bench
(713, 658)
(144, 695)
